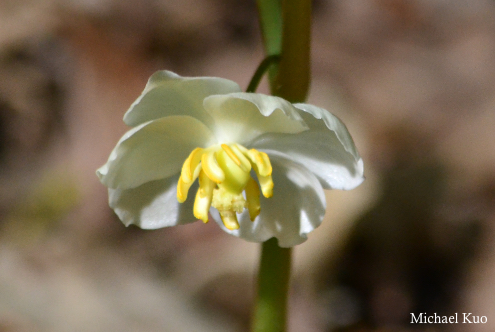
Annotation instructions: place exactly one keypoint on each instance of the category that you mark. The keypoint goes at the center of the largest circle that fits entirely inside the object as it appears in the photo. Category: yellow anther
(182, 190)
(206, 185)
(231, 154)
(237, 156)
(245, 164)
(261, 162)
(203, 198)
(225, 182)
(183, 186)
(201, 207)
(266, 184)
(191, 164)
(253, 199)
(241, 148)
(211, 168)
(189, 173)
(229, 219)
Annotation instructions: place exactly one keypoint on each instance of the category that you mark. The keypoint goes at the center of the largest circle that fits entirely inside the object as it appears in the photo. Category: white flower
(190, 130)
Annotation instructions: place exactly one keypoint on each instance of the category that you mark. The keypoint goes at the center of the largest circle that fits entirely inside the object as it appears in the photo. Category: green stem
(273, 286)
(292, 81)
(270, 16)
(262, 68)
(289, 80)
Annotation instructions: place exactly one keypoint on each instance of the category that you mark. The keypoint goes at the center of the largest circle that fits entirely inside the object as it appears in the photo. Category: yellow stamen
(241, 148)
(225, 182)
(237, 157)
(183, 186)
(190, 165)
(211, 168)
(203, 198)
(189, 173)
(229, 219)
(266, 184)
(245, 164)
(206, 185)
(253, 199)
(231, 154)
(261, 162)
(182, 190)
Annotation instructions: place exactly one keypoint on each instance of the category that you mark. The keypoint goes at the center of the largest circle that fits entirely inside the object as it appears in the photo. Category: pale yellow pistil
(224, 173)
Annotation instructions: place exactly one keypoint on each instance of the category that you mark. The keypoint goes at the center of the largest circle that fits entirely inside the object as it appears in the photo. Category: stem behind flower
(273, 286)
(292, 80)
(285, 26)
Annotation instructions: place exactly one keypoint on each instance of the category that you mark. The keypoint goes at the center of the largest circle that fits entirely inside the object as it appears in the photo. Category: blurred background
(414, 80)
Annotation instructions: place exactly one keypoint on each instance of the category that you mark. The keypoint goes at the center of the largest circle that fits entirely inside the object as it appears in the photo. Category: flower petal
(152, 205)
(296, 208)
(169, 94)
(331, 122)
(326, 149)
(152, 151)
(240, 117)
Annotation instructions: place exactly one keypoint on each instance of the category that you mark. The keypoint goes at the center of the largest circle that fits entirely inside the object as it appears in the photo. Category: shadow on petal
(152, 205)
(296, 208)
(321, 152)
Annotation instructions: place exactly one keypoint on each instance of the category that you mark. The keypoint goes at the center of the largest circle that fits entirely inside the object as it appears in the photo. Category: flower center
(224, 174)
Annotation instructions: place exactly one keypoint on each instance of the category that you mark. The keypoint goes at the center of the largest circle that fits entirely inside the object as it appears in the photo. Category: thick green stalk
(270, 16)
(289, 80)
(273, 285)
(292, 81)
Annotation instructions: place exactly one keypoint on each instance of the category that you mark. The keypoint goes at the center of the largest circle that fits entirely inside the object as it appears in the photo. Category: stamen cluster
(224, 174)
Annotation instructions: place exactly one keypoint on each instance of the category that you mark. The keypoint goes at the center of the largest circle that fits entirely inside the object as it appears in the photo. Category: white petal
(240, 117)
(326, 149)
(169, 94)
(152, 151)
(331, 122)
(296, 208)
(319, 152)
(152, 205)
